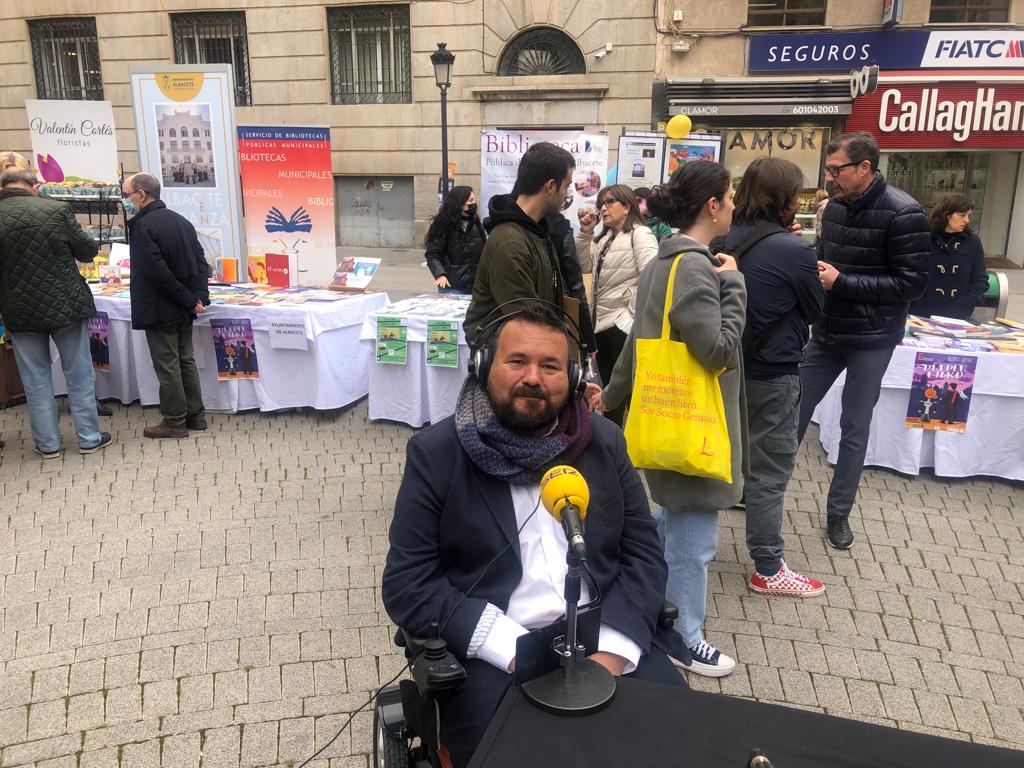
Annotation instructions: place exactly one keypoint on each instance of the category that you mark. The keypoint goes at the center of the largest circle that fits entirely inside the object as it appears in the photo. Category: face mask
(471, 211)
(129, 206)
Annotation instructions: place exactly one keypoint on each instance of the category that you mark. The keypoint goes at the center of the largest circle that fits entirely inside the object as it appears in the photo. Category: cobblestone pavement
(214, 601)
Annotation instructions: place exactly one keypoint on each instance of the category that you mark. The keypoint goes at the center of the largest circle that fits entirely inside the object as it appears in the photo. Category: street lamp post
(443, 60)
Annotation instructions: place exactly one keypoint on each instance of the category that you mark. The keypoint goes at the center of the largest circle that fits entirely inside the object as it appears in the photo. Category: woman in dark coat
(455, 241)
(957, 277)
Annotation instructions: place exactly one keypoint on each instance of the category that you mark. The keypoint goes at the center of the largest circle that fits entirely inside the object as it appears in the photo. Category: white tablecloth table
(992, 445)
(331, 373)
(414, 393)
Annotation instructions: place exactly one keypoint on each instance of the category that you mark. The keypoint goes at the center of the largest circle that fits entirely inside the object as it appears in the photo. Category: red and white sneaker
(786, 582)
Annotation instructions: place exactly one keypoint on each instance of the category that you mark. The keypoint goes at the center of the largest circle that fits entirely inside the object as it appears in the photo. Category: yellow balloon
(678, 127)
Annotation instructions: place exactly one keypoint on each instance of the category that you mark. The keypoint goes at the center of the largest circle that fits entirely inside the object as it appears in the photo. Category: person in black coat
(957, 276)
(784, 296)
(455, 241)
(564, 241)
(872, 262)
(169, 287)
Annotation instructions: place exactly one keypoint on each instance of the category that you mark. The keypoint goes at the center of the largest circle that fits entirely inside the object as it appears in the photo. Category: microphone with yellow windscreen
(565, 495)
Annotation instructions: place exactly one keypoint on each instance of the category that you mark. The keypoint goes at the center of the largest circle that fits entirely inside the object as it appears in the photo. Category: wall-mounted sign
(802, 145)
(942, 115)
(713, 110)
(889, 49)
(892, 12)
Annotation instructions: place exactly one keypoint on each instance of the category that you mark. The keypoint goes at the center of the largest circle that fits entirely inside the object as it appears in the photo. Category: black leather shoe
(839, 534)
(103, 410)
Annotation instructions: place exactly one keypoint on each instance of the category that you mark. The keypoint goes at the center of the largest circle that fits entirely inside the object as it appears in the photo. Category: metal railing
(66, 58)
(370, 54)
(215, 38)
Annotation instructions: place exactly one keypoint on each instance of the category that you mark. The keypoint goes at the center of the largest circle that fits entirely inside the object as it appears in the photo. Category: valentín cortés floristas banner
(73, 142)
(288, 189)
(500, 152)
(185, 123)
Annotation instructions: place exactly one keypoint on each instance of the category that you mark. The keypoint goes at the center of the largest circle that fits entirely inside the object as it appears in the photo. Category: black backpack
(752, 344)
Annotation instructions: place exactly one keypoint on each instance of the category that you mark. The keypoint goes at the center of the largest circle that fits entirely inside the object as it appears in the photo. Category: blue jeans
(32, 353)
(690, 540)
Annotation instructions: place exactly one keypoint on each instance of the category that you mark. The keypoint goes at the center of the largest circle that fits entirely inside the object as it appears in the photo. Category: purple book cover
(235, 349)
(98, 327)
(940, 392)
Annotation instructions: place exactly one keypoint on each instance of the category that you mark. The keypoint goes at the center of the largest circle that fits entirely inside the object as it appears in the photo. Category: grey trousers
(181, 396)
(773, 415)
(864, 370)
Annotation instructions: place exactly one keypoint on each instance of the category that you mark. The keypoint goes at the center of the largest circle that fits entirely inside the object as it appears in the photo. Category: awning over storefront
(709, 97)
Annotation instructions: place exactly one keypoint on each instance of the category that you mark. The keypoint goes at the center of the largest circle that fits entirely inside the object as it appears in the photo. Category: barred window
(972, 11)
(174, 145)
(785, 13)
(66, 58)
(215, 38)
(370, 54)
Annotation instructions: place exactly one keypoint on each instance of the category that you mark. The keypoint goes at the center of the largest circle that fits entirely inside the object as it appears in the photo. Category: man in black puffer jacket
(873, 261)
(170, 285)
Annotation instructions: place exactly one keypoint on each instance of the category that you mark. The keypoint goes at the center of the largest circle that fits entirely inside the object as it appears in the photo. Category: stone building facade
(626, 64)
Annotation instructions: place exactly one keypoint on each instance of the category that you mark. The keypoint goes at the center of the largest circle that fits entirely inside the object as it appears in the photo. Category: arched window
(195, 133)
(172, 133)
(542, 51)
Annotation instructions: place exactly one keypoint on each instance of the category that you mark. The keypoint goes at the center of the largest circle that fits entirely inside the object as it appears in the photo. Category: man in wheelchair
(473, 551)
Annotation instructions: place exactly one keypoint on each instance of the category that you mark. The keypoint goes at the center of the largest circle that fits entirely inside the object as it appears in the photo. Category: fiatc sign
(968, 115)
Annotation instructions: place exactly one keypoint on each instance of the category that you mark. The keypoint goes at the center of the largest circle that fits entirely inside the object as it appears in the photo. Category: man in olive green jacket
(519, 261)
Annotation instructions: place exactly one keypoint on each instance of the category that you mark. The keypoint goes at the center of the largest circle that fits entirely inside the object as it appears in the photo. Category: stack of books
(937, 332)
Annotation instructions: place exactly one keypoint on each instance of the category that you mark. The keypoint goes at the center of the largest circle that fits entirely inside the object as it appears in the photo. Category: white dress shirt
(540, 597)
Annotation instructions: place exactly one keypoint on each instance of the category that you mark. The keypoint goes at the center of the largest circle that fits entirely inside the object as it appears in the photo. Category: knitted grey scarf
(520, 459)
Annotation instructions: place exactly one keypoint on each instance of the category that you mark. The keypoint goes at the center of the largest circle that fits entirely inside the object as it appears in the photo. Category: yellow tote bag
(676, 417)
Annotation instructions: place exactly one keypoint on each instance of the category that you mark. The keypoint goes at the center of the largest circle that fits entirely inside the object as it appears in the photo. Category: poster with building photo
(641, 160)
(500, 152)
(185, 124)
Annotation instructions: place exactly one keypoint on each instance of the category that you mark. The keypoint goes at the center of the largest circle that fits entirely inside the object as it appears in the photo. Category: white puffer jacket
(617, 275)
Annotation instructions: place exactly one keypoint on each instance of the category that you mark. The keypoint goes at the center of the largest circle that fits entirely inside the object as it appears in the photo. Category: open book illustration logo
(299, 221)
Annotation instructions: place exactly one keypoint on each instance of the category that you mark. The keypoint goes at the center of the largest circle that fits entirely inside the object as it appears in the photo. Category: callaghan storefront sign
(967, 115)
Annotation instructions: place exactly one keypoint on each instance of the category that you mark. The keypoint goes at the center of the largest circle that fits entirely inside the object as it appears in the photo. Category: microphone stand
(580, 686)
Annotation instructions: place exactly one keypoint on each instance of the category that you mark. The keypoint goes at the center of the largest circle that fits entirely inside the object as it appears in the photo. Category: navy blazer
(452, 520)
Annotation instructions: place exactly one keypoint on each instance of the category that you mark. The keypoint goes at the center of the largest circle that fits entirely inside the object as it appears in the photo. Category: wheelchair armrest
(434, 668)
(668, 616)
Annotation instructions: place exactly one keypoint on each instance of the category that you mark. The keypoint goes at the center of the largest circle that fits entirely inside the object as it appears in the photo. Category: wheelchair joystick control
(436, 669)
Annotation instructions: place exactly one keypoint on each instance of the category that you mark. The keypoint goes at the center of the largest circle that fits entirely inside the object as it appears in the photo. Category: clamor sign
(939, 115)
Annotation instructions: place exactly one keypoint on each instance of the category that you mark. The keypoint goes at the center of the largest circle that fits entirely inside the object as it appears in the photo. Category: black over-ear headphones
(481, 347)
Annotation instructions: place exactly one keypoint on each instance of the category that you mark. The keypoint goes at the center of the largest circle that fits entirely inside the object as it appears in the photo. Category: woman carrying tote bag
(615, 257)
(706, 314)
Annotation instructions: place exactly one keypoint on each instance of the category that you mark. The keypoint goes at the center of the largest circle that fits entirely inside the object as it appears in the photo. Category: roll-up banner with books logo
(500, 152)
(185, 123)
(73, 143)
(288, 188)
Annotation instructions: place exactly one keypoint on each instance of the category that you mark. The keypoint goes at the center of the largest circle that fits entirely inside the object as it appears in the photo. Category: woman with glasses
(957, 276)
(615, 256)
(455, 241)
(707, 313)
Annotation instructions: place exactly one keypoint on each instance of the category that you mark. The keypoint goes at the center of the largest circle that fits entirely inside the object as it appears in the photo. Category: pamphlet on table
(235, 348)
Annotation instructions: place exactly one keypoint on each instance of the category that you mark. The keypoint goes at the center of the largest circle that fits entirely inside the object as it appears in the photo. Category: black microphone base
(585, 687)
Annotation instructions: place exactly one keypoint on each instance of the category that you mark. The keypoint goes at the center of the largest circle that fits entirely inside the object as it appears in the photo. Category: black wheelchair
(405, 718)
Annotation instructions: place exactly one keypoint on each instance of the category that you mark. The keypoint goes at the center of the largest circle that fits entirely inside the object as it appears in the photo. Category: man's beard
(541, 412)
